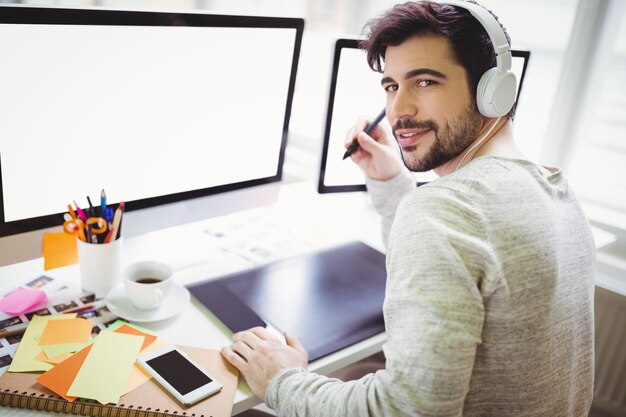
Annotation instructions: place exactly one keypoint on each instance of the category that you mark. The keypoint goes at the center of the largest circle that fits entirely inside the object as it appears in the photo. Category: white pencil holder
(100, 266)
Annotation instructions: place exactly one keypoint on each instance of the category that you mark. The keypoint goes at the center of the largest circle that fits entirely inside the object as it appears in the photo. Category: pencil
(81, 213)
(117, 218)
(119, 226)
(103, 204)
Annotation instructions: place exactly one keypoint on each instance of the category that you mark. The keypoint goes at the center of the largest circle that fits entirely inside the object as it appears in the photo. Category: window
(528, 22)
(598, 163)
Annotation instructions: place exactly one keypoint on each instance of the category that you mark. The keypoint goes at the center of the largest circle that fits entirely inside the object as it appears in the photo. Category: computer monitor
(355, 91)
(179, 115)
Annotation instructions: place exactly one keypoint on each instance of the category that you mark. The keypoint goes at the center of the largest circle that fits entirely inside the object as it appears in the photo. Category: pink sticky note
(21, 300)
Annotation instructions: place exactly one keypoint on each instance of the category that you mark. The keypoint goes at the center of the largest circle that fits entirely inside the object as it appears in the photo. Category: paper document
(105, 372)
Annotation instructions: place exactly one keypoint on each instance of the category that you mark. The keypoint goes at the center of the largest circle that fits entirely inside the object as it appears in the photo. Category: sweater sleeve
(433, 318)
(386, 196)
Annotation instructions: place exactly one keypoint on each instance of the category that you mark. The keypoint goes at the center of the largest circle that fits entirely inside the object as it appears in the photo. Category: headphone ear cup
(496, 92)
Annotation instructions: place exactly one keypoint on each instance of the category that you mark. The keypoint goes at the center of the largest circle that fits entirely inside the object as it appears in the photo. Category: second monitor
(355, 91)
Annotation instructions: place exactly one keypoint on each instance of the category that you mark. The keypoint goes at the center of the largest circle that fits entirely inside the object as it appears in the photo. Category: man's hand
(378, 155)
(259, 356)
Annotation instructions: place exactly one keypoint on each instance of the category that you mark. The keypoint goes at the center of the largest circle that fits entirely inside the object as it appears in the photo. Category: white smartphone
(178, 374)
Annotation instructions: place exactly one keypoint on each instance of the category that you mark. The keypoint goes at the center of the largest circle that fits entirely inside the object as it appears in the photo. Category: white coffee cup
(147, 283)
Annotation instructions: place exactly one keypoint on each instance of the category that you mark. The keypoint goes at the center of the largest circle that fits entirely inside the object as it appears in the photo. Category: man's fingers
(360, 126)
(233, 358)
(248, 337)
(294, 342)
(243, 349)
(368, 143)
(263, 334)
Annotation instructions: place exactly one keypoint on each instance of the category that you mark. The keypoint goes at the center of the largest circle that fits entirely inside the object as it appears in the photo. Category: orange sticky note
(59, 249)
(126, 329)
(66, 331)
(60, 378)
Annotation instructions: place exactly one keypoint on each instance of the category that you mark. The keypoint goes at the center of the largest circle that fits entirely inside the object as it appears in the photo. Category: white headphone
(497, 87)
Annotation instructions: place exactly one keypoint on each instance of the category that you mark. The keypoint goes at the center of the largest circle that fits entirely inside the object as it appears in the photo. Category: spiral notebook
(148, 400)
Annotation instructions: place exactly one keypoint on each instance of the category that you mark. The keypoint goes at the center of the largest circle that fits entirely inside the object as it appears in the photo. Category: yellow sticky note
(105, 372)
(59, 249)
(137, 376)
(24, 359)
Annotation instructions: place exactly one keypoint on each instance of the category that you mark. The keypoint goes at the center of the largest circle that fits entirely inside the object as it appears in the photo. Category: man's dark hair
(471, 45)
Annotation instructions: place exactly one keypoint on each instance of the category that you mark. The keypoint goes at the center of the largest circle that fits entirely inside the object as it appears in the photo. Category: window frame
(590, 48)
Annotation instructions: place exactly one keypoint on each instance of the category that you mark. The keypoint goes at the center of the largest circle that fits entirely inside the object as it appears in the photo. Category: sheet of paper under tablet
(105, 372)
(138, 376)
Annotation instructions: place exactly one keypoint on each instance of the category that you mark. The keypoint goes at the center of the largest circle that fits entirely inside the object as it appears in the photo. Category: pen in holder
(100, 266)
(99, 244)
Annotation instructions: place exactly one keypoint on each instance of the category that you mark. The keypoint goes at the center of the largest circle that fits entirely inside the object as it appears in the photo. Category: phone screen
(179, 372)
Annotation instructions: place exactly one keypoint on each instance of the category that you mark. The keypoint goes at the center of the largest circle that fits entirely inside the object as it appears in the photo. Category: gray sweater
(488, 307)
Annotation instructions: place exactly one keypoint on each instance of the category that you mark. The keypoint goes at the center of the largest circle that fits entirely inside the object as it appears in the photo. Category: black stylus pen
(369, 129)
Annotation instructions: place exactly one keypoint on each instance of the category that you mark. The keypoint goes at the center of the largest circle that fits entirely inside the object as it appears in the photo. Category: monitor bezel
(350, 43)
(11, 14)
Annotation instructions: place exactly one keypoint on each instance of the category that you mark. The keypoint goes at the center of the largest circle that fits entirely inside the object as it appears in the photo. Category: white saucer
(174, 303)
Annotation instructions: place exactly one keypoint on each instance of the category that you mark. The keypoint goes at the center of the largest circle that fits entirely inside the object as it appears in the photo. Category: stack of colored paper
(102, 368)
(27, 358)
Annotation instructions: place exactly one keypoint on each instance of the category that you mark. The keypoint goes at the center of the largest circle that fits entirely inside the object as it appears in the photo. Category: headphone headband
(492, 27)
(495, 93)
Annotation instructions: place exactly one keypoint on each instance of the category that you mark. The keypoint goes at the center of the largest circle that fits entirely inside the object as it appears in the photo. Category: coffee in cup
(147, 280)
(147, 283)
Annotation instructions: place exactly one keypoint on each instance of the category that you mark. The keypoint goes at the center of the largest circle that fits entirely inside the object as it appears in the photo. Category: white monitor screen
(355, 91)
(151, 107)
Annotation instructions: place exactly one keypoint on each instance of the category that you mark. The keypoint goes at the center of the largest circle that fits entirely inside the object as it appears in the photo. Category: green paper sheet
(52, 351)
(24, 359)
(107, 367)
(118, 323)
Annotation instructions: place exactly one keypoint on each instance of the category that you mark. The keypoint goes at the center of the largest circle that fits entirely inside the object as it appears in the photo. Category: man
(489, 301)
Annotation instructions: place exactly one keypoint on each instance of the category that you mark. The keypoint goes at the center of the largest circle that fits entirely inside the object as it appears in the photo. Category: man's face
(429, 106)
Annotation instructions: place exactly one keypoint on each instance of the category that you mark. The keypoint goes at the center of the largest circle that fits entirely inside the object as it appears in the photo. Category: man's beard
(449, 142)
